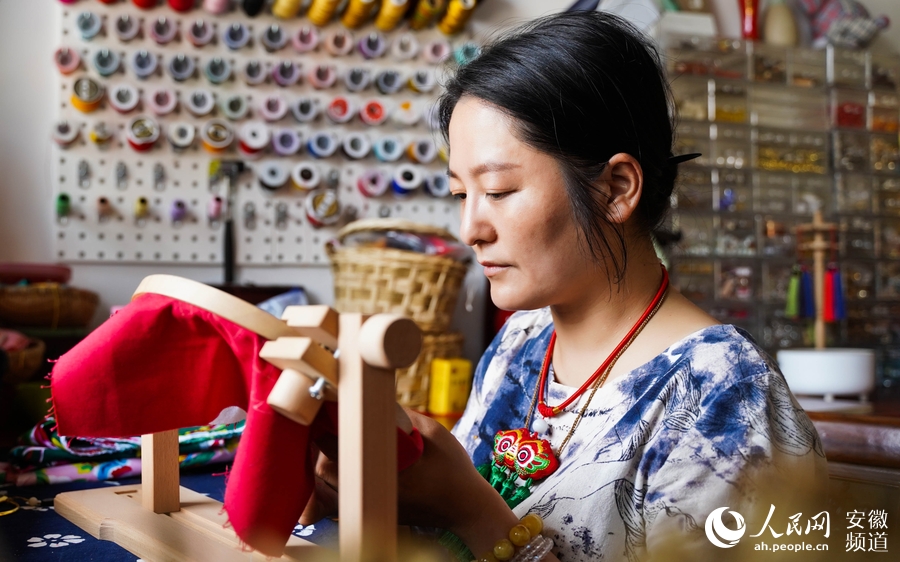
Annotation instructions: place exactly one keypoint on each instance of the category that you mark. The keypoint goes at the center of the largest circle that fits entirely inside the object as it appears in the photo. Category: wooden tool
(161, 521)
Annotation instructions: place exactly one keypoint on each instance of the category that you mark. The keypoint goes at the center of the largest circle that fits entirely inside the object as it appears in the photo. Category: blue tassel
(808, 296)
(840, 306)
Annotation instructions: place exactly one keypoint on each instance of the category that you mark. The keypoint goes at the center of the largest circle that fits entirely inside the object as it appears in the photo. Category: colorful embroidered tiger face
(523, 452)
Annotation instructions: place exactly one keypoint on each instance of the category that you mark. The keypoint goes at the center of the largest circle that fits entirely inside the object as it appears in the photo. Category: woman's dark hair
(581, 87)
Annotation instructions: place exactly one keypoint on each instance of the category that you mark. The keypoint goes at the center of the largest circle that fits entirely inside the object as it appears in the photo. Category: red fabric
(162, 364)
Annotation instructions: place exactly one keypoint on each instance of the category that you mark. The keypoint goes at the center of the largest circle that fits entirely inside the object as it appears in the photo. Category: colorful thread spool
(272, 175)
(387, 149)
(465, 53)
(373, 113)
(436, 52)
(458, 14)
(406, 114)
(144, 64)
(163, 30)
(64, 133)
(253, 138)
(178, 211)
(422, 151)
(126, 28)
(200, 33)
(357, 13)
(106, 62)
(357, 79)
(305, 110)
(305, 39)
(274, 38)
(63, 205)
(390, 14)
(406, 180)
(321, 11)
(236, 36)
(286, 142)
(181, 67)
(425, 13)
(89, 25)
(339, 43)
(339, 110)
(322, 76)
(145, 4)
(216, 135)
(322, 208)
(372, 45)
(142, 132)
(322, 145)
(215, 209)
(388, 82)
(273, 107)
(437, 185)
(181, 5)
(234, 107)
(305, 176)
(216, 6)
(100, 134)
(141, 208)
(373, 183)
(254, 73)
(405, 47)
(217, 70)
(253, 7)
(105, 209)
(286, 9)
(162, 101)
(181, 135)
(200, 102)
(124, 98)
(67, 60)
(422, 81)
(356, 146)
(286, 73)
(87, 95)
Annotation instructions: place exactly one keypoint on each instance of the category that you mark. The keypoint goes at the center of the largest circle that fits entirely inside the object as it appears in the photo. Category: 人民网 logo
(719, 534)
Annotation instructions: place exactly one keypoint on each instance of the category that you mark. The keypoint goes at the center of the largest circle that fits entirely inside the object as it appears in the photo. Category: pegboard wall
(230, 87)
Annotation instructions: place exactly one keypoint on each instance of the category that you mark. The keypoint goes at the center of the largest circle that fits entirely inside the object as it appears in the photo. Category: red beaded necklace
(550, 411)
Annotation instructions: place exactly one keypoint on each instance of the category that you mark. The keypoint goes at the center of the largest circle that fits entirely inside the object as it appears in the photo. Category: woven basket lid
(402, 225)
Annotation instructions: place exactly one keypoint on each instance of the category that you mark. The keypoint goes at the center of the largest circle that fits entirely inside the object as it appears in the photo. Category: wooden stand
(160, 521)
(818, 247)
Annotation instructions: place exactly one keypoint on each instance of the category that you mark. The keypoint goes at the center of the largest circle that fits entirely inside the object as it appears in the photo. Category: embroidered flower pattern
(54, 541)
(301, 531)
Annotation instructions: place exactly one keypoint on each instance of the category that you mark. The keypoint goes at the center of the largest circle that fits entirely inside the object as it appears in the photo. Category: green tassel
(457, 549)
(498, 476)
(509, 486)
(521, 493)
(792, 304)
(485, 470)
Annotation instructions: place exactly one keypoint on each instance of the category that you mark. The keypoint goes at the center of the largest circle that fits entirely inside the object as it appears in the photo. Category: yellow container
(451, 381)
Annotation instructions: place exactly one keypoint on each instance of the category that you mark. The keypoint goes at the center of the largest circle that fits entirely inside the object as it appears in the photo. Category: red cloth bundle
(162, 364)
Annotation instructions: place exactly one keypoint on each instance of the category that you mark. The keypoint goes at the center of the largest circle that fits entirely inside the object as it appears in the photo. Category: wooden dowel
(159, 471)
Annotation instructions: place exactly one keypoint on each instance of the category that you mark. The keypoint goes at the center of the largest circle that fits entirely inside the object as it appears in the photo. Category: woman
(655, 414)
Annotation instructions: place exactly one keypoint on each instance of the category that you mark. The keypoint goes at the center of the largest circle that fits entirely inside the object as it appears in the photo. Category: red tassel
(828, 296)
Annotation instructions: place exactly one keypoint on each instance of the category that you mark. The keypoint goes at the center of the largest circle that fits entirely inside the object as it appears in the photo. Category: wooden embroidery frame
(160, 521)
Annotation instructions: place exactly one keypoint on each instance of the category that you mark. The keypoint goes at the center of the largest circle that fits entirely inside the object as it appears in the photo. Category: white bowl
(828, 372)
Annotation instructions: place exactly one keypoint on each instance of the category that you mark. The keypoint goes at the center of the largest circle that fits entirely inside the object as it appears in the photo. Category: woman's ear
(624, 181)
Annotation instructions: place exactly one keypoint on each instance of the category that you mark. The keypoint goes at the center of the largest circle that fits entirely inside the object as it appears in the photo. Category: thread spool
(433, 117)
(388, 82)
(390, 14)
(372, 45)
(405, 47)
(254, 73)
(126, 28)
(286, 73)
(357, 13)
(178, 211)
(217, 70)
(216, 135)
(387, 149)
(89, 25)
(253, 138)
(274, 38)
(105, 209)
(422, 151)
(425, 13)
(65, 133)
(234, 107)
(322, 145)
(305, 110)
(437, 185)
(143, 4)
(236, 36)
(322, 208)
(100, 134)
(286, 142)
(273, 107)
(162, 101)
(339, 110)
(144, 64)
(339, 43)
(406, 180)
(67, 60)
(436, 52)
(272, 175)
(286, 9)
(305, 176)
(163, 30)
(181, 5)
(253, 7)
(63, 205)
(181, 135)
(465, 53)
(406, 114)
(356, 146)
(322, 76)
(106, 62)
(142, 132)
(216, 6)
(305, 39)
(373, 113)
(181, 67)
(215, 209)
(87, 95)
(456, 17)
(200, 33)
(357, 79)
(141, 208)
(321, 11)
(422, 81)
(200, 102)
(373, 183)
(124, 98)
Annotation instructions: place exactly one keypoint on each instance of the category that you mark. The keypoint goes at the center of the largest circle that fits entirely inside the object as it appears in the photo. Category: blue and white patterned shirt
(707, 423)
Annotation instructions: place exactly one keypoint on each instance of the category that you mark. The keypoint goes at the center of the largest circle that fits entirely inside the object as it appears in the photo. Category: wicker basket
(412, 382)
(374, 280)
(47, 305)
(23, 365)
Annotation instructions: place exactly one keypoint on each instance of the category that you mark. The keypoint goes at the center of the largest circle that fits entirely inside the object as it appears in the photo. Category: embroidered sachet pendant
(518, 453)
